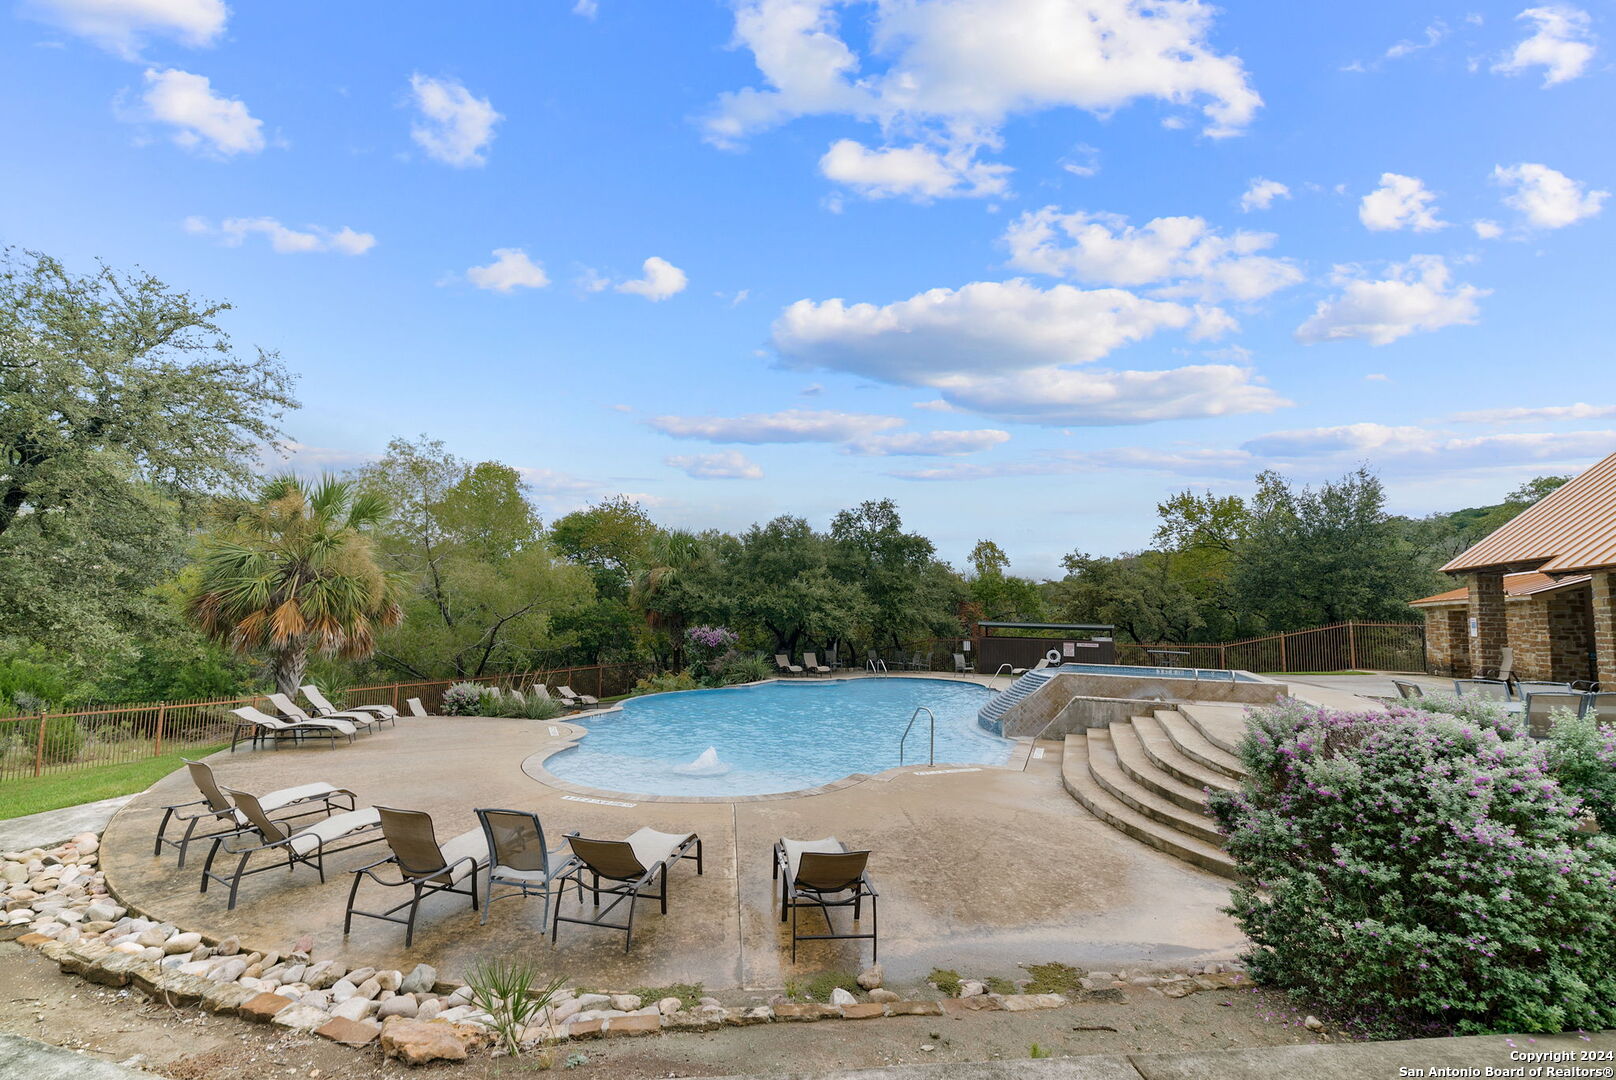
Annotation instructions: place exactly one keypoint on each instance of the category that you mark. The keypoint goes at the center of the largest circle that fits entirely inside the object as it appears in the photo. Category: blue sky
(780, 256)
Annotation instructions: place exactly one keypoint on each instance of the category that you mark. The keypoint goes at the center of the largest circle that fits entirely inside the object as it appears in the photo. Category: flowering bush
(1478, 710)
(705, 644)
(1417, 872)
(1582, 753)
(462, 699)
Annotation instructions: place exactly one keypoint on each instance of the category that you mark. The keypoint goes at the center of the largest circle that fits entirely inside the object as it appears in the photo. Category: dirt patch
(189, 1044)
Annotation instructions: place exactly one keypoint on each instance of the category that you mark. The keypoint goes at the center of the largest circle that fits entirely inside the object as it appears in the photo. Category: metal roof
(1516, 587)
(1573, 529)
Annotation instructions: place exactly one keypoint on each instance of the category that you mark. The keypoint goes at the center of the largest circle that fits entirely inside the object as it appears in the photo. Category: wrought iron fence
(1347, 646)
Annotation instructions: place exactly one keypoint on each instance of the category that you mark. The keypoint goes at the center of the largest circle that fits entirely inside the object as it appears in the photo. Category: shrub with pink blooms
(1419, 873)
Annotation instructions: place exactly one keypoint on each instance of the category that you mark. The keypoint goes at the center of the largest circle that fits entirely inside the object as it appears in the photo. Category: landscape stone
(403, 1005)
(669, 1005)
(226, 997)
(631, 1026)
(416, 1042)
(349, 1032)
(871, 977)
(421, 979)
(884, 996)
(807, 1011)
(300, 1018)
(625, 1002)
(867, 1010)
(263, 1007)
(838, 996)
(914, 1008)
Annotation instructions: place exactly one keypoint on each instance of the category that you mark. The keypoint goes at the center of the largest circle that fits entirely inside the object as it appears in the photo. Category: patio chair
(1541, 686)
(422, 864)
(309, 845)
(963, 666)
(584, 700)
(323, 707)
(1494, 689)
(825, 874)
(633, 864)
(1505, 671)
(292, 711)
(1601, 706)
(213, 806)
(264, 726)
(783, 662)
(1540, 706)
(518, 857)
(810, 661)
(1407, 690)
(415, 707)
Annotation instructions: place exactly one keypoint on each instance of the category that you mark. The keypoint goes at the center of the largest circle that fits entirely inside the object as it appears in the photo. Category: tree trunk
(287, 665)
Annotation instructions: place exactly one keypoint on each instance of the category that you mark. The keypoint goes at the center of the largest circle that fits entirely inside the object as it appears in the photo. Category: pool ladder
(1001, 670)
(931, 754)
(877, 667)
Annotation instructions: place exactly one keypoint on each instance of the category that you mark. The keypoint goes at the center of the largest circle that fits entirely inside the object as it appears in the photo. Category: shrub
(64, 740)
(491, 701)
(1582, 754)
(1483, 711)
(533, 706)
(1414, 872)
(733, 668)
(462, 699)
(507, 988)
(706, 643)
(661, 684)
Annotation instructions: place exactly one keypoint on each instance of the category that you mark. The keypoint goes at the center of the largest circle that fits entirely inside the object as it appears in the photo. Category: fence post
(39, 749)
(395, 697)
(600, 680)
(1223, 657)
(1352, 647)
(162, 717)
(1284, 665)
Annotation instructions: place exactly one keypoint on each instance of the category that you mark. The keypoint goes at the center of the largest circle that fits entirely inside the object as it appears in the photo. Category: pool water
(776, 736)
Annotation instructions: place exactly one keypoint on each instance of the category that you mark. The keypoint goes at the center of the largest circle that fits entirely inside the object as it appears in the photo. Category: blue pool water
(778, 736)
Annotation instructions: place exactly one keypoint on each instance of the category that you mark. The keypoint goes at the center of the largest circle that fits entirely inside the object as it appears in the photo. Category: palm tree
(656, 592)
(294, 571)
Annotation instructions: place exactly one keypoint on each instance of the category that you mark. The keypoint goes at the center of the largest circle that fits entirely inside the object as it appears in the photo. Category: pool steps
(991, 715)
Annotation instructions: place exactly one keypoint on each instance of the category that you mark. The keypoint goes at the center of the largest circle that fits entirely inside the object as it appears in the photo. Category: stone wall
(1604, 625)
(1570, 630)
(1528, 633)
(1447, 648)
(1070, 701)
(1551, 635)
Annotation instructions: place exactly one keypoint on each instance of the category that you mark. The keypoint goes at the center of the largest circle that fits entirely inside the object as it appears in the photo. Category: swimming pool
(775, 737)
(1203, 674)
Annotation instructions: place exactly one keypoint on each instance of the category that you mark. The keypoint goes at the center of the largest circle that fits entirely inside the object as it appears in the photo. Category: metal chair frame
(525, 887)
(627, 888)
(422, 882)
(372, 834)
(795, 894)
(209, 812)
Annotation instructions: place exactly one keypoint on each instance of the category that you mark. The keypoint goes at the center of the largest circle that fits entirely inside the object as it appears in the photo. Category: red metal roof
(1573, 529)
(1516, 586)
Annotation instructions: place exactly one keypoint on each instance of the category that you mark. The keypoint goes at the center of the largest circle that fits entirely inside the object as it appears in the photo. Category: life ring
(1053, 656)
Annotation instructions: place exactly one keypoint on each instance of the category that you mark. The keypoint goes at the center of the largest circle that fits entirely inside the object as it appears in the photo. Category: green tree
(779, 580)
(1135, 593)
(999, 596)
(296, 571)
(908, 594)
(612, 539)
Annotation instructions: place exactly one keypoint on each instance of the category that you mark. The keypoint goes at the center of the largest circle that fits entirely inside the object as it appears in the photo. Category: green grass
(945, 979)
(36, 794)
(687, 993)
(820, 986)
(1054, 978)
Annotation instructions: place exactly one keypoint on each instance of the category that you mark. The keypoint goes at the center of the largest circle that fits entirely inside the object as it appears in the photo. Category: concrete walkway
(1369, 684)
(1346, 1061)
(20, 1057)
(54, 826)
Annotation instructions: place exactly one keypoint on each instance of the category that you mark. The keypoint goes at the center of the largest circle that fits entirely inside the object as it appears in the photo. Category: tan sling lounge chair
(264, 726)
(632, 864)
(309, 845)
(213, 806)
(422, 865)
(824, 874)
(811, 662)
(323, 707)
(291, 710)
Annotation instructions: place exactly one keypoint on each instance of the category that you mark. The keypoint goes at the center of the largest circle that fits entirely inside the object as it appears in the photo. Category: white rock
(343, 990)
(669, 1005)
(839, 996)
(355, 1008)
(870, 978)
(625, 1002)
(1313, 1023)
(972, 988)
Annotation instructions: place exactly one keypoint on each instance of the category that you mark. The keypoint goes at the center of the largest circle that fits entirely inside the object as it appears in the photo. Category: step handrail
(1000, 671)
(931, 755)
(1034, 744)
(872, 666)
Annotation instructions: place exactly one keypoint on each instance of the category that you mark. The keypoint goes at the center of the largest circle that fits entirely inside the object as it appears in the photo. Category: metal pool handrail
(1000, 671)
(931, 755)
(877, 667)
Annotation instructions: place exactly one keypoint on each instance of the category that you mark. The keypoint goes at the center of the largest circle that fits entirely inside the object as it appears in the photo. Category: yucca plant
(507, 989)
(295, 571)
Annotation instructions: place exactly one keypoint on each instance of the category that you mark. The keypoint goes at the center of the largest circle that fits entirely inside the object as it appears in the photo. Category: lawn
(33, 795)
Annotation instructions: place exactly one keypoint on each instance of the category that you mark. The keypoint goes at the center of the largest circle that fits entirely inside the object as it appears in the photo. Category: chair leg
(488, 896)
(353, 894)
(185, 841)
(208, 865)
(157, 848)
(409, 925)
(235, 881)
(875, 933)
(663, 896)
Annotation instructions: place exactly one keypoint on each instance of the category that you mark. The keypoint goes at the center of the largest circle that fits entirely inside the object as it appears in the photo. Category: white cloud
(917, 172)
(1183, 256)
(1433, 34)
(510, 270)
(202, 119)
(1561, 44)
(1178, 462)
(1262, 193)
(282, 239)
(456, 127)
(123, 26)
(1377, 376)
(587, 8)
(951, 72)
(662, 279)
(787, 426)
(1579, 411)
(1408, 449)
(724, 465)
(1550, 199)
(1057, 397)
(1401, 202)
(930, 443)
(554, 482)
(1084, 160)
(1487, 230)
(1417, 295)
(935, 405)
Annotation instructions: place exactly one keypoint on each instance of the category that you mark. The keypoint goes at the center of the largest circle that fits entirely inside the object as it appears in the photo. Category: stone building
(1544, 584)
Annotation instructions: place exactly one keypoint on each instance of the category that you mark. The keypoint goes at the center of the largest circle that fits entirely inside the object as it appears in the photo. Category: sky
(1025, 266)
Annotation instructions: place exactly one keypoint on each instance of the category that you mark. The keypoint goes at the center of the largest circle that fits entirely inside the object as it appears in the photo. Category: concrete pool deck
(979, 870)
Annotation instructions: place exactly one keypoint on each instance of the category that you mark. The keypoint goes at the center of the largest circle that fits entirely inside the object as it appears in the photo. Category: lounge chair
(213, 806)
(633, 864)
(810, 661)
(1407, 690)
(422, 864)
(265, 726)
(518, 857)
(291, 710)
(962, 666)
(415, 707)
(1541, 705)
(1505, 671)
(784, 664)
(584, 700)
(323, 707)
(825, 874)
(1495, 689)
(309, 845)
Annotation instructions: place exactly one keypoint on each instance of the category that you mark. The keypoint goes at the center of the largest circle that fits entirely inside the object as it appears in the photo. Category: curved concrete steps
(1189, 741)
(1127, 744)
(1166, 757)
(1223, 725)
(1081, 783)
(1108, 773)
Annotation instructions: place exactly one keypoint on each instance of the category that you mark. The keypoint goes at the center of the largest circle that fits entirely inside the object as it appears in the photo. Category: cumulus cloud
(1260, 195)
(1182, 256)
(1401, 202)
(724, 465)
(124, 26)
(930, 443)
(456, 127)
(1486, 229)
(1178, 462)
(1415, 449)
(787, 426)
(662, 279)
(510, 270)
(1516, 415)
(1417, 295)
(202, 119)
(1561, 44)
(1549, 199)
(918, 172)
(956, 70)
(587, 8)
(284, 240)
